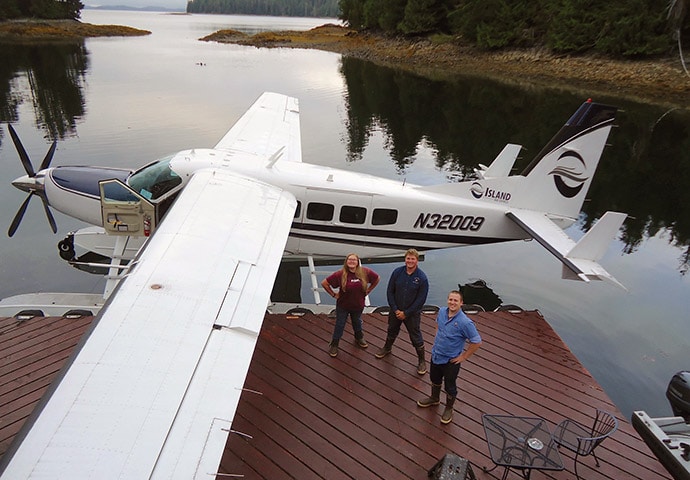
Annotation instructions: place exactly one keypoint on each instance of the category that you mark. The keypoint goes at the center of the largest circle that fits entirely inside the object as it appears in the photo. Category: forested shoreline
(43, 9)
(617, 28)
(279, 8)
(622, 29)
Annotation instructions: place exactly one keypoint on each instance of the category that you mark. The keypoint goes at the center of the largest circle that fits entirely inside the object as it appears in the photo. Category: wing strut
(314, 280)
(114, 272)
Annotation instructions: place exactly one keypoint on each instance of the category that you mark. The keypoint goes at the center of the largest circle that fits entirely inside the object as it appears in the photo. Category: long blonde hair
(359, 273)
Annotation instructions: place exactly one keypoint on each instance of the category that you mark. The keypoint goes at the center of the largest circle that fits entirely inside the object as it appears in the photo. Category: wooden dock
(306, 415)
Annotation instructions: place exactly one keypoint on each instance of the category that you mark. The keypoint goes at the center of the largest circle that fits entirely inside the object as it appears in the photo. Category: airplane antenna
(275, 157)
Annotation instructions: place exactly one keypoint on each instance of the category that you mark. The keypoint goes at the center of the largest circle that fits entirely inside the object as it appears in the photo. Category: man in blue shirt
(407, 291)
(454, 330)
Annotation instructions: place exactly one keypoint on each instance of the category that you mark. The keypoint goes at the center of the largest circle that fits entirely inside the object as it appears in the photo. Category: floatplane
(194, 241)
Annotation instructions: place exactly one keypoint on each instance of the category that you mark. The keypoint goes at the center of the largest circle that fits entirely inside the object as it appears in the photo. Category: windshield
(154, 180)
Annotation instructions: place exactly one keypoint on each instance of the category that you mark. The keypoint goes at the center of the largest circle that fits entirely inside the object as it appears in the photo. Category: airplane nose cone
(29, 184)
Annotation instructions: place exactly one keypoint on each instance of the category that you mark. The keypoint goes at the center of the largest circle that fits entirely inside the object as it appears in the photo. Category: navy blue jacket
(407, 292)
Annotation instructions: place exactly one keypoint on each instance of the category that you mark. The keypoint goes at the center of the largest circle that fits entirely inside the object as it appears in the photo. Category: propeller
(30, 183)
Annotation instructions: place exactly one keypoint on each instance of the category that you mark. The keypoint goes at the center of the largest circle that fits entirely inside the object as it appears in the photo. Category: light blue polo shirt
(451, 336)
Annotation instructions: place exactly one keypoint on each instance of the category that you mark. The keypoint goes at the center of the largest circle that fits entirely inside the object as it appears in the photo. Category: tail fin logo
(569, 176)
(477, 190)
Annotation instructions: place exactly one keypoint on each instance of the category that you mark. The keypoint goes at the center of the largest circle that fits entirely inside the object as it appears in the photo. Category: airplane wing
(154, 387)
(580, 260)
(270, 124)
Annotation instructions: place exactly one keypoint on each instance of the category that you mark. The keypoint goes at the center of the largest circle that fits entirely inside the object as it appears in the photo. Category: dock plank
(306, 415)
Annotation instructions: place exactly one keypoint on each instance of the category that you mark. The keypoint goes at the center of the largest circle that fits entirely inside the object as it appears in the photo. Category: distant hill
(274, 8)
(129, 8)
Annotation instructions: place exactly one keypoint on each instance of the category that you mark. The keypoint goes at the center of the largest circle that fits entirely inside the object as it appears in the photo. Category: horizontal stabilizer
(502, 164)
(593, 245)
(580, 260)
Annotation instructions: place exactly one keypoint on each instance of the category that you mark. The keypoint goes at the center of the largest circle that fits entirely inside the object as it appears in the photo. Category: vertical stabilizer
(557, 180)
(559, 177)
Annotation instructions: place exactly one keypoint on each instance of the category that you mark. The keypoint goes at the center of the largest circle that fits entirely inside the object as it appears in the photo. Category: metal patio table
(521, 443)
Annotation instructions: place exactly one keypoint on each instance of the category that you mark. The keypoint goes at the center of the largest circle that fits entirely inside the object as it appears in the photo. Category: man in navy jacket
(407, 291)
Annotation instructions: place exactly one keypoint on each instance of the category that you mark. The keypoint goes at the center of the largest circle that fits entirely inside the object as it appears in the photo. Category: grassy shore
(32, 30)
(660, 81)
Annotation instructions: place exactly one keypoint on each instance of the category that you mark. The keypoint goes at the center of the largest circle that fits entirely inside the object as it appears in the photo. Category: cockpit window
(155, 179)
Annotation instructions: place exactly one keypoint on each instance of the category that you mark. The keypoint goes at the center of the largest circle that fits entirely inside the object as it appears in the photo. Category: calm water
(126, 101)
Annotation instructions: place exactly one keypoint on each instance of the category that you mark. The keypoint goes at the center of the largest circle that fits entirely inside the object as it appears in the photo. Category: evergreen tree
(424, 16)
(499, 23)
(293, 8)
(352, 12)
(392, 15)
(9, 9)
(43, 9)
(628, 28)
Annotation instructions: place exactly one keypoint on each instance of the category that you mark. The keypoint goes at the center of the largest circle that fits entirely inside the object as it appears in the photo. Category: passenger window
(384, 216)
(350, 214)
(320, 211)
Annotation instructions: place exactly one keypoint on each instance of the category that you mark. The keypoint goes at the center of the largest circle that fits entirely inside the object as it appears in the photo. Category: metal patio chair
(581, 439)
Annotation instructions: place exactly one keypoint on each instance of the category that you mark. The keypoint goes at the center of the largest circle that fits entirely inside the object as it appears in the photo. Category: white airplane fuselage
(339, 211)
(425, 220)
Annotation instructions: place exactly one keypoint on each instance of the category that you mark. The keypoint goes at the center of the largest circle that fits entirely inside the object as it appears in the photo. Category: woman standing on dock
(353, 282)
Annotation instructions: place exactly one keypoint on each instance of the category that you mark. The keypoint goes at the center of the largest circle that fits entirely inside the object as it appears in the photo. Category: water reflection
(643, 173)
(463, 122)
(54, 74)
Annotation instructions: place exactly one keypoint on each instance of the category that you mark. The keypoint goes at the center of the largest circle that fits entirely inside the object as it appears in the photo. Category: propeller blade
(22, 153)
(30, 172)
(18, 217)
(51, 219)
(49, 157)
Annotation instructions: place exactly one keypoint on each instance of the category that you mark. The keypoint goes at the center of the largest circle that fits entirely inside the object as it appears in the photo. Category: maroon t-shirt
(352, 298)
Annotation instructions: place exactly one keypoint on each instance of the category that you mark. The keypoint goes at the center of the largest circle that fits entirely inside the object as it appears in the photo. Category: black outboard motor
(678, 394)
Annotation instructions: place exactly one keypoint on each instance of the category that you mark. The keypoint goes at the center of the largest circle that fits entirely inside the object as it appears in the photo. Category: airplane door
(125, 212)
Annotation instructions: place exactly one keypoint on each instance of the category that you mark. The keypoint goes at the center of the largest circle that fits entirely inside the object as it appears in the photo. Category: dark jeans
(341, 319)
(446, 372)
(411, 323)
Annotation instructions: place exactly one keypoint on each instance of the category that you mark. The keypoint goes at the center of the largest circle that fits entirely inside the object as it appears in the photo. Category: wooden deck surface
(306, 415)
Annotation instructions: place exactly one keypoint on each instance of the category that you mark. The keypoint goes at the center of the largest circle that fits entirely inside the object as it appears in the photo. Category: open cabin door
(124, 211)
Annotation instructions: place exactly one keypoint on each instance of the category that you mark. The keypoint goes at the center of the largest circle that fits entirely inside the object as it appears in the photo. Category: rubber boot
(359, 340)
(386, 349)
(433, 399)
(447, 415)
(421, 366)
(333, 348)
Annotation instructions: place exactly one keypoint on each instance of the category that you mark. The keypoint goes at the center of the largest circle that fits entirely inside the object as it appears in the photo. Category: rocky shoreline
(660, 81)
